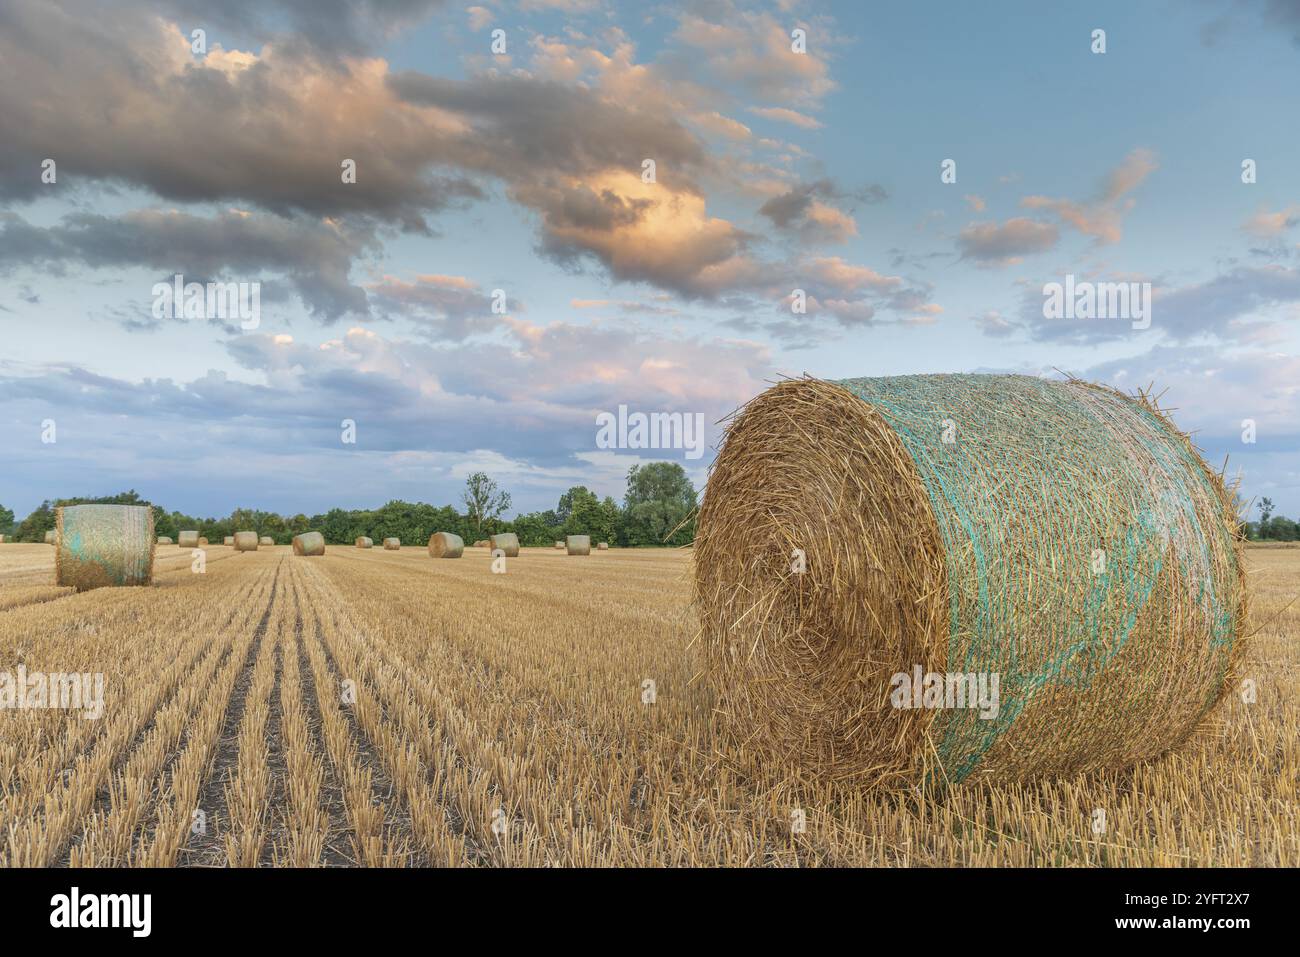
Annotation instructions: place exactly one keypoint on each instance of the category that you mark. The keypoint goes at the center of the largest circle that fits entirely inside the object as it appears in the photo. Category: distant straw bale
(445, 545)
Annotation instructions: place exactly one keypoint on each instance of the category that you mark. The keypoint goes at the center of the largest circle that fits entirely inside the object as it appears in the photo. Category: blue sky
(521, 172)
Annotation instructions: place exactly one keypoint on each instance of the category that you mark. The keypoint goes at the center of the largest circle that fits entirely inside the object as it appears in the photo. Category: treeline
(657, 509)
(1270, 527)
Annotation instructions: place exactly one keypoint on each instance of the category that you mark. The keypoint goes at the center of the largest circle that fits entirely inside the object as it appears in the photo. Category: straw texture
(101, 545)
(266, 540)
(189, 539)
(228, 540)
(50, 538)
(1059, 535)
(392, 544)
(508, 542)
(309, 543)
(446, 545)
(164, 540)
(245, 541)
(364, 542)
(578, 544)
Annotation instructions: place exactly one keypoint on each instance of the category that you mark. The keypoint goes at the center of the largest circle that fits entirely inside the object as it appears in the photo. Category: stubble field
(384, 709)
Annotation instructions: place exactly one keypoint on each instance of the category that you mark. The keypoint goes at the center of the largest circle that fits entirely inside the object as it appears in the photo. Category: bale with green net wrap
(309, 543)
(934, 578)
(101, 545)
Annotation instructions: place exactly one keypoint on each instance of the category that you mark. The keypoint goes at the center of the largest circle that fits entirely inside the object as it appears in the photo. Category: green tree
(6, 520)
(484, 501)
(659, 498)
(1265, 513)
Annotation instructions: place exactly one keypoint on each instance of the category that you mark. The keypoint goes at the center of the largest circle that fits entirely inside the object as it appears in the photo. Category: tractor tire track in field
(336, 850)
(207, 849)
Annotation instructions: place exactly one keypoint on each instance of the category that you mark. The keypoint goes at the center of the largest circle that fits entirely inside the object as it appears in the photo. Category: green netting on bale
(1033, 483)
(102, 545)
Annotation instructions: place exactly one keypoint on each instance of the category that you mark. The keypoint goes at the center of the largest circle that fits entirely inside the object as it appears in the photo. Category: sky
(838, 190)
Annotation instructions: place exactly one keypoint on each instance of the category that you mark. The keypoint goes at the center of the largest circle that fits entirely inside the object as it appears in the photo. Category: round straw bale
(102, 545)
(445, 545)
(266, 540)
(578, 544)
(187, 539)
(245, 541)
(229, 540)
(164, 540)
(202, 541)
(50, 537)
(309, 543)
(392, 544)
(363, 542)
(482, 543)
(559, 544)
(508, 542)
(603, 546)
(859, 541)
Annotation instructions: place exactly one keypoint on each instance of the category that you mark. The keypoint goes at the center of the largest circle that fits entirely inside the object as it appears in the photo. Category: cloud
(1266, 224)
(123, 100)
(783, 115)
(315, 257)
(1103, 217)
(444, 308)
(418, 407)
(803, 211)
(753, 51)
(995, 325)
(1008, 243)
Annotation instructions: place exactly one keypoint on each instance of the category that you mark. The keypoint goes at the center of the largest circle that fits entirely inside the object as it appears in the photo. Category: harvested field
(505, 719)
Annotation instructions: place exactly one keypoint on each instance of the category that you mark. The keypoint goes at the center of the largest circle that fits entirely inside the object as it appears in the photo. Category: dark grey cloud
(315, 258)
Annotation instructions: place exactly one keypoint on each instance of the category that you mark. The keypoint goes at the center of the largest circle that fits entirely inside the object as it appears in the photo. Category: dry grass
(500, 719)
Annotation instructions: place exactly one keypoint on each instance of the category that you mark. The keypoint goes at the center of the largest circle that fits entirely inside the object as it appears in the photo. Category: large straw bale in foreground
(364, 542)
(857, 536)
(392, 544)
(102, 545)
(508, 542)
(245, 541)
(309, 543)
(446, 545)
(578, 544)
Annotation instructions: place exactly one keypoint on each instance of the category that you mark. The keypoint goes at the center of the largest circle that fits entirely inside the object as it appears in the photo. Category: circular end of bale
(446, 545)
